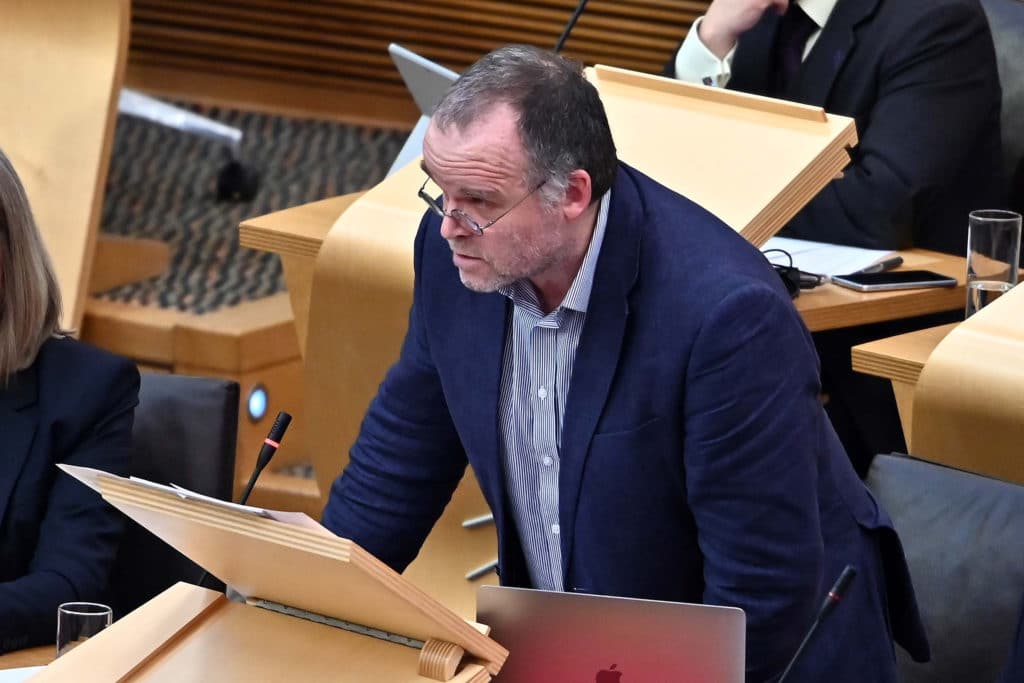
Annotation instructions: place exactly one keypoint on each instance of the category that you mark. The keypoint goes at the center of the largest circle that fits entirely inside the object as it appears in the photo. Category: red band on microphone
(271, 443)
(833, 597)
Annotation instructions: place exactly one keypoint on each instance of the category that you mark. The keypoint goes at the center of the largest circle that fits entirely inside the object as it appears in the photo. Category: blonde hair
(30, 304)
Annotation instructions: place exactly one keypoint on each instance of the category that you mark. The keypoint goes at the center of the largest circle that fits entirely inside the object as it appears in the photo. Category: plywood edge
(455, 629)
(901, 357)
(683, 90)
(299, 230)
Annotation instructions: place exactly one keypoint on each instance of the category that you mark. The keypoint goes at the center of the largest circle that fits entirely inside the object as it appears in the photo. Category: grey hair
(30, 305)
(562, 123)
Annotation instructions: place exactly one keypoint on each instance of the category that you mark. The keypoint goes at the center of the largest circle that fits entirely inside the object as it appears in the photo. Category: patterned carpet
(162, 185)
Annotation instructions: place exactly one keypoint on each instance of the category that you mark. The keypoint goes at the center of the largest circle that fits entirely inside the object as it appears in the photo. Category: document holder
(318, 607)
(752, 161)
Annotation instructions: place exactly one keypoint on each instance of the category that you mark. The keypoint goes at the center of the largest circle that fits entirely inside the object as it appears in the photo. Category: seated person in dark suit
(918, 76)
(920, 79)
(630, 382)
(61, 401)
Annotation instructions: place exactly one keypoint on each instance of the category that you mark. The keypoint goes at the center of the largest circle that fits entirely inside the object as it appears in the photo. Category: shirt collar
(578, 296)
(818, 10)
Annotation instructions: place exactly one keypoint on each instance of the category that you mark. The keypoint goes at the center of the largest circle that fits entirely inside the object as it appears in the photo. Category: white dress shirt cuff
(695, 63)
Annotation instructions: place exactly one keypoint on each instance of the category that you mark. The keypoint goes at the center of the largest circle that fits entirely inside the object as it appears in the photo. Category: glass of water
(993, 251)
(79, 621)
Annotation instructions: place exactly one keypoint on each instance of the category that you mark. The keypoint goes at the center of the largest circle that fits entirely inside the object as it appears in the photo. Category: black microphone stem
(568, 27)
(267, 451)
(830, 603)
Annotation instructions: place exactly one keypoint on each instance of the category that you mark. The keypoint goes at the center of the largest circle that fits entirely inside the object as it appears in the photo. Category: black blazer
(58, 538)
(920, 78)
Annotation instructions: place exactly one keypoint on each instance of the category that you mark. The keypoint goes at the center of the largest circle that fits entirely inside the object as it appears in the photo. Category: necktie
(794, 30)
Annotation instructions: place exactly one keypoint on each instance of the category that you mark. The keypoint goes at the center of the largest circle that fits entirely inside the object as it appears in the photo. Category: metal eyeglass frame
(464, 218)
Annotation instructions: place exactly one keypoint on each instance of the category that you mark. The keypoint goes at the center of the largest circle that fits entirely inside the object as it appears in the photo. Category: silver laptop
(427, 82)
(578, 638)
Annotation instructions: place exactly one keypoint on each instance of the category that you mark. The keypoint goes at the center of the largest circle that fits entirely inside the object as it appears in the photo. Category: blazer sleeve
(751, 422)
(80, 532)
(937, 91)
(407, 459)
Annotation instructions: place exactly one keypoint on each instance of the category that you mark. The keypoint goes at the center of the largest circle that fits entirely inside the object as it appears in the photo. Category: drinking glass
(79, 621)
(993, 251)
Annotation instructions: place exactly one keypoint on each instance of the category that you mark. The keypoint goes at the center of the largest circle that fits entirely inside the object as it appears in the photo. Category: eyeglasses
(463, 218)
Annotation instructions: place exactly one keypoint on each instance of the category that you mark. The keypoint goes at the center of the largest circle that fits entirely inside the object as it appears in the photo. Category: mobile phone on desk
(894, 279)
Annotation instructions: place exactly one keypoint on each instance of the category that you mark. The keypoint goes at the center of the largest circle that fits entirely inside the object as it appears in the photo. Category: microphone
(568, 27)
(267, 451)
(832, 601)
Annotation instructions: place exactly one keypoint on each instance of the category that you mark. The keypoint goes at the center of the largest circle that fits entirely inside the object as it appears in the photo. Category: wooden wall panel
(329, 57)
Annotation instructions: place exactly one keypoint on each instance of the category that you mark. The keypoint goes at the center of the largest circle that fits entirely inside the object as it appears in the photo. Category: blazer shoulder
(70, 371)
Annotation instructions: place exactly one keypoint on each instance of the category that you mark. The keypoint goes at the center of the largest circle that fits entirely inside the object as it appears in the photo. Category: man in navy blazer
(630, 383)
(920, 79)
(58, 539)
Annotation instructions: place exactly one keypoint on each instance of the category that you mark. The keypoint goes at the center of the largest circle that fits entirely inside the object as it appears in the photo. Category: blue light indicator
(257, 403)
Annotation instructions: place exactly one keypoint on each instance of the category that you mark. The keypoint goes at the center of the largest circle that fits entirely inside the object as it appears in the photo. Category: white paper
(822, 258)
(18, 675)
(89, 476)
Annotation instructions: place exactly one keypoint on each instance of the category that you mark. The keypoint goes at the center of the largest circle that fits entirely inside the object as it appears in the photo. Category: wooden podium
(318, 607)
(959, 388)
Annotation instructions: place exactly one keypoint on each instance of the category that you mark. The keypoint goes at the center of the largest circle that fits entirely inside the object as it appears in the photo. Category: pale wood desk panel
(900, 360)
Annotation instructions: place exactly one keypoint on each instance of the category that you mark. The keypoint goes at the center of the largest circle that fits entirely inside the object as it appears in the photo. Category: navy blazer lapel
(482, 345)
(18, 427)
(597, 356)
(752, 63)
(828, 55)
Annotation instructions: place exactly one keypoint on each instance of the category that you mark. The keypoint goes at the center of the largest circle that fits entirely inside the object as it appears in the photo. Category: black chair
(185, 431)
(963, 535)
(1006, 19)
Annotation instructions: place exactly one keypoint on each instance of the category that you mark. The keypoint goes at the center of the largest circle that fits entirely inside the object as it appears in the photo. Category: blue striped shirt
(535, 379)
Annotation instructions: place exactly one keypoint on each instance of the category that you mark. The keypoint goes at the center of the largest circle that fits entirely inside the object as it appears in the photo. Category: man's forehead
(491, 139)
(496, 123)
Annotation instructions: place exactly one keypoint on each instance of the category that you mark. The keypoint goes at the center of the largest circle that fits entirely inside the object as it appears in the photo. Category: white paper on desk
(88, 476)
(18, 675)
(822, 258)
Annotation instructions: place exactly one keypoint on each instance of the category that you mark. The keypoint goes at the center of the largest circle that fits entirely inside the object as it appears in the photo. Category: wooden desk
(959, 388)
(900, 359)
(33, 656)
(298, 232)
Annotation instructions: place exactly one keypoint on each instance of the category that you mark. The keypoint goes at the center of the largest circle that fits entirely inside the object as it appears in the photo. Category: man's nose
(453, 227)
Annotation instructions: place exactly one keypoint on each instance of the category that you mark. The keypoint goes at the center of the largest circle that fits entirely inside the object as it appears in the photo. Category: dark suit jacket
(919, 77)
(58, 538)
(696, 462)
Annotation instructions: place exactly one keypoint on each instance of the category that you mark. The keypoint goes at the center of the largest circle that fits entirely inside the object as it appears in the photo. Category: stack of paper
(821, 258)
(752, 161)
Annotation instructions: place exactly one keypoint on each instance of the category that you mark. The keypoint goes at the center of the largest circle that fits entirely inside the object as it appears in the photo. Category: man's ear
(577, 195)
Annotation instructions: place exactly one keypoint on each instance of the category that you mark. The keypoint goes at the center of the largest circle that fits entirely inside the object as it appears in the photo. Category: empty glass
(79, 621)
(993, 251)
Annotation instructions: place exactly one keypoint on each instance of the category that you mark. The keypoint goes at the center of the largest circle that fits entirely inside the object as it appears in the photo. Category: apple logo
(609, 675)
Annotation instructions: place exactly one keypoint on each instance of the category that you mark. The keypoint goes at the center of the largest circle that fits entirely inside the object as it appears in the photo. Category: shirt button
(548, 461)
(555, 529)
(543, 393)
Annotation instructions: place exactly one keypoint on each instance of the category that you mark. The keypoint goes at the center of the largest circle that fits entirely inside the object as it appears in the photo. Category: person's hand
(727, 20)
